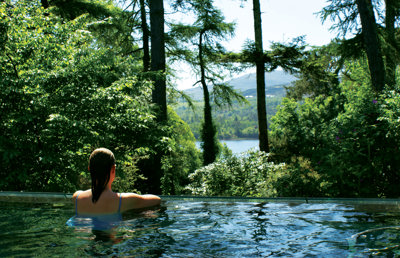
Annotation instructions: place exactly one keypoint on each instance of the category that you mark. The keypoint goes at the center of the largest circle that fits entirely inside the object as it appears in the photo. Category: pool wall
(48, 197)
(35, 197)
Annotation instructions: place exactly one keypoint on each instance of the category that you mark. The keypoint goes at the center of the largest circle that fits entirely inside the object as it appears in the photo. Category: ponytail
(100, 163)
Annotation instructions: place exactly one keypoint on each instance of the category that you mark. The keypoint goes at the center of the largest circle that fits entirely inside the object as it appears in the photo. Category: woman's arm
(136, 201)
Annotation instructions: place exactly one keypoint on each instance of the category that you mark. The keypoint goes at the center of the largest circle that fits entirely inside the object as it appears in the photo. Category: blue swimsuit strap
(76, 204)
(119, 206)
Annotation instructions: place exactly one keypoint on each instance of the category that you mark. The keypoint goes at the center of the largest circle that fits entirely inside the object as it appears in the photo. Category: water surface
(238, 146)
(196, 228)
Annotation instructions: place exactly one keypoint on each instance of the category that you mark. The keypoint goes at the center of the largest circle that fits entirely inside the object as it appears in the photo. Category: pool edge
(51, 197)
(34, 197)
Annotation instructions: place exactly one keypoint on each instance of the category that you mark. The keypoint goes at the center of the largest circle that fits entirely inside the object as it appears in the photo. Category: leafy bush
(301, 180)
(349, 140)
(250, 174)
(182, 158)
(64, 95)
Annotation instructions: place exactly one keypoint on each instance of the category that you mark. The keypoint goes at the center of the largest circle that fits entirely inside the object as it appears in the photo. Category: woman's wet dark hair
(100, 163)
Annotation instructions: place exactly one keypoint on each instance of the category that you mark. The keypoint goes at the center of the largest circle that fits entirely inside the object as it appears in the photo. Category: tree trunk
(158, 57)
(208, 129)
(372, 45)
(145, 31)
(261, 106)
(390, 18)
(159, 95)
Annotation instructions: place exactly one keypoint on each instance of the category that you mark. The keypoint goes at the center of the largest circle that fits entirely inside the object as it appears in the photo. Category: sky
(282, 20)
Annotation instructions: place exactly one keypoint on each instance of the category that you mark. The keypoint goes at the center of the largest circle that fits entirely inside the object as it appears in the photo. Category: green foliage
(348, 139)
(183, 157)
(375, 36)
(301, 180)
(235, 122)
(251, 174)
(317, 73)
(344, 15)
(209, 140)
(129, 174)
(71, 81)
(206, 33)
(62, 95)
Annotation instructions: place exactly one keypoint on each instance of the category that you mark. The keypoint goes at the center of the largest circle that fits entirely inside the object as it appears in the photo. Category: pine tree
(260, 65)
(392, 13)
(346, 15)
(205, 34)
(110, 24)
(145, 36)
(372, 44)
(158, 57)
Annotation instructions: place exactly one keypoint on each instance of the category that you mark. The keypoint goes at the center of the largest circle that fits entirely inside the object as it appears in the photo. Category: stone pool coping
(34, 197)
(48, 197)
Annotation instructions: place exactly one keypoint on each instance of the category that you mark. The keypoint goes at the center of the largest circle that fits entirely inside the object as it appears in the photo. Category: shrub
(249, 174)
(63, 95)
(182, 157)
(300, 180)
(347, 144)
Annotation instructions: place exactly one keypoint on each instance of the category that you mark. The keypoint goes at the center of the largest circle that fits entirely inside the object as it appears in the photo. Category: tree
(136, 16)
(145, 36)
(64, 93)
(261, 106)
(158, 57)
(348, 138)
(317, 73)
(391, 48)
(346, 15)
(208, 132)
(184, 157)
(204, 34)
(155, 61)
(109, 24)
(286, 57)
(372, 44)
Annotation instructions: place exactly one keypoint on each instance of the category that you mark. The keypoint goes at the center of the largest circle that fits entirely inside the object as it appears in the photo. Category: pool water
(209, 228)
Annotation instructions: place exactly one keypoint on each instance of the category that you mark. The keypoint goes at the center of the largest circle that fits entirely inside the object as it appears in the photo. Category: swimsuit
(96, 222)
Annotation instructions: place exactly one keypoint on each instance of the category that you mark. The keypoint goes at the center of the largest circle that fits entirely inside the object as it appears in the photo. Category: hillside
(239, 121)
(246, 85)
(273, 79)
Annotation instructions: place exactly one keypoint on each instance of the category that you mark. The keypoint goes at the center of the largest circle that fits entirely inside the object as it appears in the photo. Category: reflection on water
(377, 241)
(208, 229)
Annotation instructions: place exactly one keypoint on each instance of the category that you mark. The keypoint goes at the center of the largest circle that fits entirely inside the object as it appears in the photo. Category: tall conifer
(158, 57)
(260, 65)
(205, 34)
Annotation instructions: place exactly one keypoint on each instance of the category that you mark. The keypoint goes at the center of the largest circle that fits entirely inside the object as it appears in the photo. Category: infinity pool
(193, 227)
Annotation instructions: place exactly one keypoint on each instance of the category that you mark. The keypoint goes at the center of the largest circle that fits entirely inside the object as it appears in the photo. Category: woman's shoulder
(79, 192)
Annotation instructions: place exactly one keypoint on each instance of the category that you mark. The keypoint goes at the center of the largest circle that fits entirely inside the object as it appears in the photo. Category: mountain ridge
(246, 85)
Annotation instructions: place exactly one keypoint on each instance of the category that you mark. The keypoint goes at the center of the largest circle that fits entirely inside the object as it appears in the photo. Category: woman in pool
(100, 199)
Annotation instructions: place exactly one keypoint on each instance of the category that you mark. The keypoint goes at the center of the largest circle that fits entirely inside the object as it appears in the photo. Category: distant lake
(238, 146)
